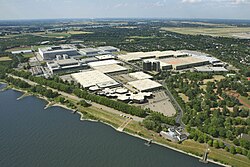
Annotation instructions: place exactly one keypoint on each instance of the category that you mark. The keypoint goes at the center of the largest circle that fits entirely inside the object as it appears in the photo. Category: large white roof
(92, 78)
(140, 75)
(102, 63)
(145, 84)
(111, 68)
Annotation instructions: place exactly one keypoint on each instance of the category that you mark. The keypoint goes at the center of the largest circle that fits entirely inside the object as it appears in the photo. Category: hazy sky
(43, 9)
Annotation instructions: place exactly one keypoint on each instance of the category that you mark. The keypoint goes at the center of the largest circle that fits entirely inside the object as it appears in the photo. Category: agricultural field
(61, 34)
(237, 32)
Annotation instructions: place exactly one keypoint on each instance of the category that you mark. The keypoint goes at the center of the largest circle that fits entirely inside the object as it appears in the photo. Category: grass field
(184, 97)
(215, 78)
(28, 55)
(5, 59)
(187, 146)
(245, 101)
(240, 32)
(61, 34)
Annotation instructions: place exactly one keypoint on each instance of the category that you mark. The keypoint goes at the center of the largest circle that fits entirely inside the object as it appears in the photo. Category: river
(33, 137)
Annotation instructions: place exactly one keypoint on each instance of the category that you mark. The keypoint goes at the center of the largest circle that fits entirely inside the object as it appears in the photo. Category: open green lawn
(28, 55)
(184, 97)
(215, 78)
(187, 146)
(245, 100)
(240, 32)
(6, 58)
(18, 48)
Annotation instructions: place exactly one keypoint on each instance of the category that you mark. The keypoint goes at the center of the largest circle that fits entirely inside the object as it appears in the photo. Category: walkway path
(73, 97)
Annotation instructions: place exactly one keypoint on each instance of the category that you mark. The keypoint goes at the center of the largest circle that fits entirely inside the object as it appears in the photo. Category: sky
(50, 9)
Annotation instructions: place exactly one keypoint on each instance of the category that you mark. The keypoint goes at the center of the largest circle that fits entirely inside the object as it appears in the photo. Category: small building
(105, 57)
(174, 134)
(140, 75)
(109, 49)
(138, 98)
(36, 70)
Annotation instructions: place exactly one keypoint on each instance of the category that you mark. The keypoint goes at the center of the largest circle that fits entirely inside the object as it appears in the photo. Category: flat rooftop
(93, 78)
(182, 60)
(66, 61)
(140, 75)
(107, 48)
(54, 49)
(102, 63)
(136, 56)
(211, 69)
(89, 50)
(144, 85)
(111, 68)
(105, 57)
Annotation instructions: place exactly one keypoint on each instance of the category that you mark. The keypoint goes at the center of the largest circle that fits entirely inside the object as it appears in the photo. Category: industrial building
(201, 55)
(111, 69)
(137, 56)
(89, 52)
(50, 53)
(98, 51)
(94, 78)
(185, 62)
(108, 49)
(140, 75)
(65, 65)
(105, 57)
(21, 52)
(165, 54)
(210, 69)
(145, 85)
(104, 62)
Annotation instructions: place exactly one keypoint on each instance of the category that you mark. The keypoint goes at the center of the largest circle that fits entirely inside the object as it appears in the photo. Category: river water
(33, 137)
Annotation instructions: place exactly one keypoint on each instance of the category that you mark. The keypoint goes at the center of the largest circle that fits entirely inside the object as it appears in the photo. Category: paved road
(73, 97)
(177, 106)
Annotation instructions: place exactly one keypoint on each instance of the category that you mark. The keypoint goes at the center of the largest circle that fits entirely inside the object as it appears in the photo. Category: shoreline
(108, 124)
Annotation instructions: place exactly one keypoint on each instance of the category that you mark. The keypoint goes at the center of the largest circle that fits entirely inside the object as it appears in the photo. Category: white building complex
(50, 53)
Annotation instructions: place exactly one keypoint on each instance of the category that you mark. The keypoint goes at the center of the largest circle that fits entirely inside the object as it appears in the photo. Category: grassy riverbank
(136, 129)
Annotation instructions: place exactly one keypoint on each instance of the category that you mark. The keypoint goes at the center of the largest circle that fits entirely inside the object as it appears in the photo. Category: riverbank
(115, 125)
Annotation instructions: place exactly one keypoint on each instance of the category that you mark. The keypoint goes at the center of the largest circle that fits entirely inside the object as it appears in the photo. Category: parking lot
(160, 103)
